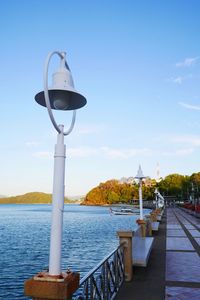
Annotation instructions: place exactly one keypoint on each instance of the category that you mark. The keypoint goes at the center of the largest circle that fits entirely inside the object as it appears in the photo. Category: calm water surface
(89, 235)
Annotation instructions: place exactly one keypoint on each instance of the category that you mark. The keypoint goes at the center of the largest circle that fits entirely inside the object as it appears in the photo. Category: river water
(89, 234)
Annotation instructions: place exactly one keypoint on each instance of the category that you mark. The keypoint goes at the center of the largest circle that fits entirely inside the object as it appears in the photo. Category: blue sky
(138, 65)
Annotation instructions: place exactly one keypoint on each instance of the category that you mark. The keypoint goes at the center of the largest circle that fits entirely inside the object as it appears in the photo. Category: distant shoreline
(35, 203)
(34, 198)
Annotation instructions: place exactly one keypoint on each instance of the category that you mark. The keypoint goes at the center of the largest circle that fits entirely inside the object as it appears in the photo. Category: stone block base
(43, 286)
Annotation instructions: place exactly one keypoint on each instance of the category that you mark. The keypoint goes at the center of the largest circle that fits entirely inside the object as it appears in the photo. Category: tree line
(31, 198)
(114, 192)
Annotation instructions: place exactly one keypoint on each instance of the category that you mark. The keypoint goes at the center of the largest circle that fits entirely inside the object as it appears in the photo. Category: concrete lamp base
(44, 286)
(142, 224)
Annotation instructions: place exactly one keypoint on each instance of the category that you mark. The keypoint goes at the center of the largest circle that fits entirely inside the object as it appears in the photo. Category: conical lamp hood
(140, 174)
(62, 94)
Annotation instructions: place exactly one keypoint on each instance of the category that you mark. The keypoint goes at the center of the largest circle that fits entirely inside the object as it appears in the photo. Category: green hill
(31, 198)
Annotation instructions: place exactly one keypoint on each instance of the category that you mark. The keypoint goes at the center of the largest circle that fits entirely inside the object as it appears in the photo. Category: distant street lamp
(140, 176)
(61, 96)
(156, 197)
(193, 194)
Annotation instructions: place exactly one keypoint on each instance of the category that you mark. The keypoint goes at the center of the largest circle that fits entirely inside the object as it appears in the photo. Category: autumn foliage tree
(113, 192)
(110, 192)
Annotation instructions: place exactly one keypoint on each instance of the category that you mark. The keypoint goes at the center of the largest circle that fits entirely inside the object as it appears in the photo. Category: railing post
(126, 237)
(105, 275)
(148, 226)
(116, 271)
(91, 289)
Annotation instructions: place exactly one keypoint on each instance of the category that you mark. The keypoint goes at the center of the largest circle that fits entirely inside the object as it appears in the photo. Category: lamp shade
(62, 99)
(140, 174)
(62, 94)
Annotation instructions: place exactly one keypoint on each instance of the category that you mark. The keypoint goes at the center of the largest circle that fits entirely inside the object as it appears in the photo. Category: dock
(173, 269)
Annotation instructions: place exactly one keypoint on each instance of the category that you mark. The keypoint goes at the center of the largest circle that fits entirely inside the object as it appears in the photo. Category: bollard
(142, 224)
(126, 236)
(46, 287)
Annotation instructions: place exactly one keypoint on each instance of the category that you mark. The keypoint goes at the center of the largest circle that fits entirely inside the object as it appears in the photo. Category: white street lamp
(140, 176)
(61, 96)
(156, 197)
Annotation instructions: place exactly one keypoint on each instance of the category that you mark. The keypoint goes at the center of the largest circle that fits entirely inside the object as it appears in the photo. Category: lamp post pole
(140, 199)
(140, 176)
(57, 205)
(61, 96)
(156, 197)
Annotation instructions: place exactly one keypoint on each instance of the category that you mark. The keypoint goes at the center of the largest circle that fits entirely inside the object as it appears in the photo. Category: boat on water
(123, 211)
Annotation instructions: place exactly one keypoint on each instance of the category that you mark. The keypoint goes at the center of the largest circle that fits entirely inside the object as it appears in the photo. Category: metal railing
(104, 281)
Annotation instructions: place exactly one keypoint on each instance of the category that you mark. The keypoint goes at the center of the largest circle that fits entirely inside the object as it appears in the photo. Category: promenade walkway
(173, 271)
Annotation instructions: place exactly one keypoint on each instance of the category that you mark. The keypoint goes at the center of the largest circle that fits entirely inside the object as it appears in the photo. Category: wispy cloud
(185, 151)
(190, 106)
(124, 153)
(43, 154)
(106, 152)
(179, 152)
(82, 152)
(90, 128)
(187, 139)
(121, 154)
(193, 124)
(188, 62)
(32, 144)
(178, 80)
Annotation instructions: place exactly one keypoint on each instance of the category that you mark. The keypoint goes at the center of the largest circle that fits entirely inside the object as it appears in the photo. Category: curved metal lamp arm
(46, 94)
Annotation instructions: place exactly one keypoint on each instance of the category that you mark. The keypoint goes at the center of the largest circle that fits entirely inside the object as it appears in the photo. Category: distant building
(131, 180)
(148, 182)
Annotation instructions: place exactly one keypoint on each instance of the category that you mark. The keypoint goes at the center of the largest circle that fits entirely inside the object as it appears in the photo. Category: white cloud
(189, 106)
(187, 139)
(32, 144)
(124, 153)
(90, 128)
(178, 80)
(106, 152)
(193, 124)
(82, 152)
(184, 151)
(188, 62)
(43, 154)
(179, 152)
(113, 153)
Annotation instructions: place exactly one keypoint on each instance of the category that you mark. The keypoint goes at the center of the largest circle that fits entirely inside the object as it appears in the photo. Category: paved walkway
(173, 271)
(183, 256)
